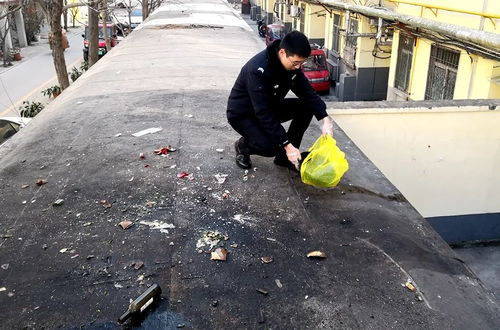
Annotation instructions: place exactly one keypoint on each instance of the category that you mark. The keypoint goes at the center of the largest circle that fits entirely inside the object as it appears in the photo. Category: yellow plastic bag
(325, 165)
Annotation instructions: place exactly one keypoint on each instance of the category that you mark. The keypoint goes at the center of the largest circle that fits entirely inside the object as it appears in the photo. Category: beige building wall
(445, 162)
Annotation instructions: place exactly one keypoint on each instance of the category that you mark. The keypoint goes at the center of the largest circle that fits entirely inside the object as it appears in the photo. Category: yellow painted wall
(329, 30)
(472, 21)
(394, 58)
(444, 161)
(420, 67)
(364, 57)
(315, 21)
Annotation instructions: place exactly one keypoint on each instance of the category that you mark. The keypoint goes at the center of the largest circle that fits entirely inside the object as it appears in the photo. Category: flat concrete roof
(71, 266)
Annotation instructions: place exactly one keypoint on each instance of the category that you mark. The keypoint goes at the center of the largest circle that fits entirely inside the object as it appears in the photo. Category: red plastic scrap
(165, 150)
(182, 175)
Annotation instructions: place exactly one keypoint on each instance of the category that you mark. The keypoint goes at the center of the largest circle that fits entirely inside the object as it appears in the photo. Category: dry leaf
(41, 182)
(266, 260)
(316, 254)
(219, 254)
(126, 224)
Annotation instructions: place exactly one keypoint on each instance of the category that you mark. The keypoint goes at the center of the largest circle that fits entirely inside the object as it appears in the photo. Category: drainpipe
(485, 39)
(485, 6)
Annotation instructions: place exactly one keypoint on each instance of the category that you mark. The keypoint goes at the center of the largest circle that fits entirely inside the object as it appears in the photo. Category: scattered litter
(211, 239)
(221, 178)
(214, 303)
(234, 245)
(118, 135)
(131, 179)
(245, 176)
(219, 254)
(188, 115)
(219, 150)
(91, 256)
(126, 224)
(171, 243)
(225, 194)
(137, 264)
(165, 150)
(173, 166)
(10, 294)
(147, 131)
(5, 266)
(150, 204)
(140, 278)
(118, 286)
(316, 254)
(105, 203)
(419, 298)
(41, 182)
(63, 250)
(58, 202)
(86, 224)
(243, 219)
(24, 202)
(262, 291)
(255, 169)
(410, 286)
(278, 283)
(266, 260)
(25, 186)
(271, 239)
(156, 224)
(79, 102)
(75, 256)
(306, 297)
(2, 289)
(45, 246)
(182, 175)
(141, 156)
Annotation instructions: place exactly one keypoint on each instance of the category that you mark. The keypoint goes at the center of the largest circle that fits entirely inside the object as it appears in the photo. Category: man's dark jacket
(260, 87)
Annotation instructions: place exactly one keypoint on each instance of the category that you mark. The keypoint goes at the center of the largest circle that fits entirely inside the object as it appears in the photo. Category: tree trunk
(145, 9)
(104, 10)
(57, 44)
(93, 33)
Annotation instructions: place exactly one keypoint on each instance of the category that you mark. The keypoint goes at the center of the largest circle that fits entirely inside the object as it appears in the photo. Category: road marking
(34, 90)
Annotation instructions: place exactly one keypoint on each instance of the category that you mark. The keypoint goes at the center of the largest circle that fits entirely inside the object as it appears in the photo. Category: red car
(316, 71)
(111, 30)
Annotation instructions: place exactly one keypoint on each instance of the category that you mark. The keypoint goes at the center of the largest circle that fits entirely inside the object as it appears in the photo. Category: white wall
(445, 162)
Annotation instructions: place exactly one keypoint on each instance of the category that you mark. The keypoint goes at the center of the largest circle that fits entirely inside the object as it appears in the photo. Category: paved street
(26, 79)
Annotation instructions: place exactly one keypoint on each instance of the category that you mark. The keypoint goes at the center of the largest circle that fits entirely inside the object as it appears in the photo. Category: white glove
(327, 125)
(293, 154)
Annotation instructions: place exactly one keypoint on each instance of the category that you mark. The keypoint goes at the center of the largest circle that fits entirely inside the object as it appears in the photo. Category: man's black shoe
(242, 160)
(280, 161)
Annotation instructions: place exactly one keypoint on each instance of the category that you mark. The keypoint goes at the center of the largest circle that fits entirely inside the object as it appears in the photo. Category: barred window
(336, 33)
(403, 66)
(442, 75)
(302, 18)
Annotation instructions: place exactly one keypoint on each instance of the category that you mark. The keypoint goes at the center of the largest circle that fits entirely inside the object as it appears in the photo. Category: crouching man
(257, 105)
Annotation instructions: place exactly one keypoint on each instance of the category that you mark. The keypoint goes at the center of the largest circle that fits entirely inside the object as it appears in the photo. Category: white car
(10, 126)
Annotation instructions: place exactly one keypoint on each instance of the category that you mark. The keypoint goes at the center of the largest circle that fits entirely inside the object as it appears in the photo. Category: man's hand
(327, 125)
(293, 154)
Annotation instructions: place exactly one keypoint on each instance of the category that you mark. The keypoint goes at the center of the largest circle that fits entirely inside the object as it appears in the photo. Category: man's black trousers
(256, 141)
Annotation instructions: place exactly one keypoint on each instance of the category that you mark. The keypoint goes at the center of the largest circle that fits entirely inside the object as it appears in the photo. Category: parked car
(112, 34)
(135, 18)
(10, 126)
(316, 70)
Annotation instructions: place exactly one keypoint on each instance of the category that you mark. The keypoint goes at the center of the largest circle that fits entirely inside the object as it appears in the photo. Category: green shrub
(30, 109)
(52, 91)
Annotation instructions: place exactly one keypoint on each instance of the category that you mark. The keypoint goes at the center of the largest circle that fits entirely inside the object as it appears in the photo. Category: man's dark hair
(296, 43)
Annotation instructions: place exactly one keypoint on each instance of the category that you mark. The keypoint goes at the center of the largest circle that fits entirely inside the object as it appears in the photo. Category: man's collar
(272, 54)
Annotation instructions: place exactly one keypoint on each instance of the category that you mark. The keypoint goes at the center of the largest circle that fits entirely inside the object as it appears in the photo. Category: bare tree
(93, 32)
(148, 6)
(6, 13)
(53, 10)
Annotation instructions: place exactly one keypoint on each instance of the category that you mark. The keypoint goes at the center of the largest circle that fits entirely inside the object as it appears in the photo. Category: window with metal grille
(442, 75)
(403, 66)
(336, 33)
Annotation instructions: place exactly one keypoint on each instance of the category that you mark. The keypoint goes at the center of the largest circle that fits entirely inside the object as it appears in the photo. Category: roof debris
(266, 260)
(219, 254)
(221, 178)
(409, 285)
(316, 254)
(158, 225)
(126, 224)
(41, 182)
(147, 131)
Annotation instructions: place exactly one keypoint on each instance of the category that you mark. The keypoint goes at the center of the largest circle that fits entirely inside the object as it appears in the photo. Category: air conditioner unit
(294, 11)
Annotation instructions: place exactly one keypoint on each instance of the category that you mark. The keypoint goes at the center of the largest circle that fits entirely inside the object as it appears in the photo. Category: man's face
(292, 62)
